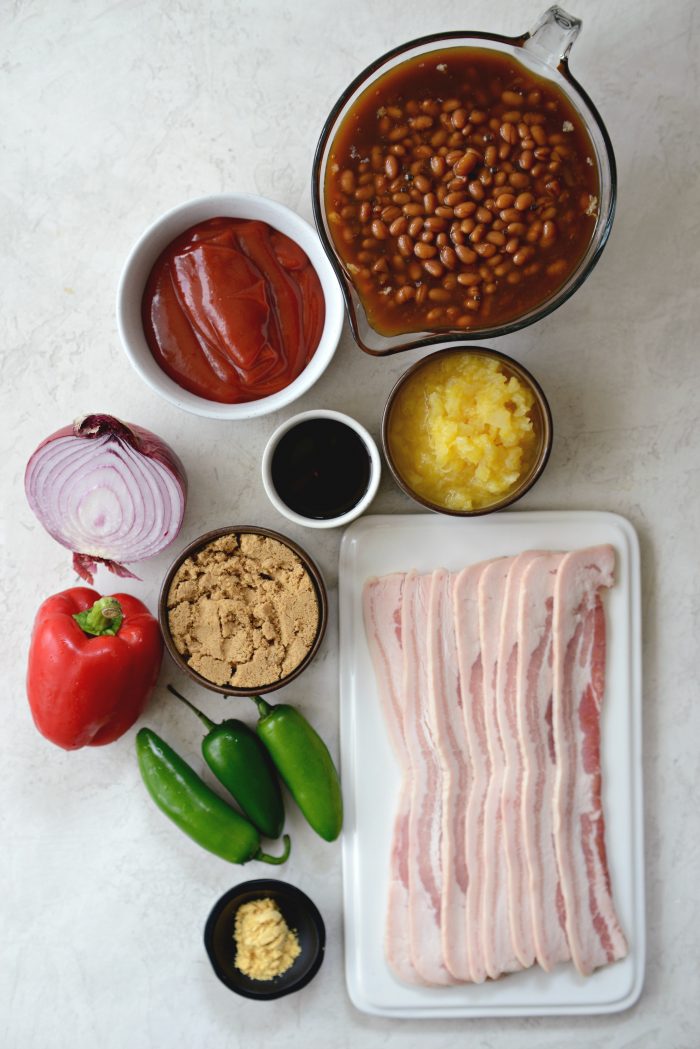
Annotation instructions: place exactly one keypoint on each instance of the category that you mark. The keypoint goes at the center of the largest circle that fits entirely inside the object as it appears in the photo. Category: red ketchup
(233, 310)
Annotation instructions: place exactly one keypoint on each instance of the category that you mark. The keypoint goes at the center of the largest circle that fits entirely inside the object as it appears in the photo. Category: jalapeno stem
(263, 708)
(207, 722)
(265, 858)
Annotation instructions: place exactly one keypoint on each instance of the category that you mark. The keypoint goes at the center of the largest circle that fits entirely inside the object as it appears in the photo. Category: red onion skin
(146, 443)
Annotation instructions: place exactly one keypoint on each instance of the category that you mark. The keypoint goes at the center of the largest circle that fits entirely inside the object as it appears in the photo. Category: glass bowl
(540, 413)
(544, 51)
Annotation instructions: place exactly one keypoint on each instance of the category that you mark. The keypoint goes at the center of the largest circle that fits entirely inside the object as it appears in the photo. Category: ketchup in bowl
(233, 310)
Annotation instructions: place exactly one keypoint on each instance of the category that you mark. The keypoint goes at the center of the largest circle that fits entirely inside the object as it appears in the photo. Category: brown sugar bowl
(180, 652)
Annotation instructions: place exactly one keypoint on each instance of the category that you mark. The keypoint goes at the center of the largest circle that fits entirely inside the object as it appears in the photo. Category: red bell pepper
(93, 663)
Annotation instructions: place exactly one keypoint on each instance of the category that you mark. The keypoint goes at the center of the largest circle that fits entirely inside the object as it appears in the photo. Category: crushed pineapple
(461, 432)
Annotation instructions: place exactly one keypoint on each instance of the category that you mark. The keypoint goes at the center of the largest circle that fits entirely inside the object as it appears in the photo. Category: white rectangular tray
(381, 544)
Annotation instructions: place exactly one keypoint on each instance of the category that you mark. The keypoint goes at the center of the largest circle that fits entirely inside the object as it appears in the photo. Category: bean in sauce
(461, 192)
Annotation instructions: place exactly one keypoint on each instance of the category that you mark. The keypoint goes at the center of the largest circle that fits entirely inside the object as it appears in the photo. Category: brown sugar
(243, 610)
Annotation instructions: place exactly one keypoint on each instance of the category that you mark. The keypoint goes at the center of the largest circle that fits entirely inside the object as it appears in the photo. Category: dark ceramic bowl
(193, 548)
(299, 913)
(542, 418)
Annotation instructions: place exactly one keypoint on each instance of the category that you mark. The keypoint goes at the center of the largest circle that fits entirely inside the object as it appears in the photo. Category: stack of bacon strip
(491, 682)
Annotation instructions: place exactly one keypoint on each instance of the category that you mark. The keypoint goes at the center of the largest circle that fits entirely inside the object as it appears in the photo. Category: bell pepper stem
(264, 857)
(263, 708)
(207, 722)
(103, 619)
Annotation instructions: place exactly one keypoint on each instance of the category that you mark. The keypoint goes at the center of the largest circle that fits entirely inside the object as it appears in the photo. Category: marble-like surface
(112, 113)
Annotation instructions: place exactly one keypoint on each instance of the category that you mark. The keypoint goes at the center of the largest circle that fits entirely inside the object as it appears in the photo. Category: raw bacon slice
(511, 800)
(446, 724)
(499, 952)
(382, 600)
(534, 706)
(425, 817)
(466, 610)
(592, 927)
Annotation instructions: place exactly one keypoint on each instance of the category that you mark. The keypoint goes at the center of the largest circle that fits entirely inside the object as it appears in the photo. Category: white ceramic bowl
(375, 469)
(157, 237)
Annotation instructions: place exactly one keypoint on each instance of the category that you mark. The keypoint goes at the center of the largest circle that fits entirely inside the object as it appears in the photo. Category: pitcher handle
(553, 36)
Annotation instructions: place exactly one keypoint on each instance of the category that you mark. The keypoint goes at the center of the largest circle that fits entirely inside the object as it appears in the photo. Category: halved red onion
(109, 491)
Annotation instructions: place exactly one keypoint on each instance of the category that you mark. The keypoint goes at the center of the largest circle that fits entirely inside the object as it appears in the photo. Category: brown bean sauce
(461, 192)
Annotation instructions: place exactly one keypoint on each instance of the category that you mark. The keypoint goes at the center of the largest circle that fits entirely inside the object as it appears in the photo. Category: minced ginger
(265, 945)
(460, 431)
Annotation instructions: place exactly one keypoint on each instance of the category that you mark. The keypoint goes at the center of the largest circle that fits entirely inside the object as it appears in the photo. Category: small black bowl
(300, 914)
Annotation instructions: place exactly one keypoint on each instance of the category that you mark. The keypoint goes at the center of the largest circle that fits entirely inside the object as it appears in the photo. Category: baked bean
(501, 269)
(539, 134)
(511, 98)
(514, 277)
(380, 266)
(512, 245)
(524, 201)
(434, 315)
(421, 123)
(491, 156)
(400, 198)
(485, 250)
(439, 295)
(391, 166)
(449, 282)
(380, 229)
(476, 190)
(549, 230)
(347, 181)
(398, 133)
(448, 257)
(365, 212)
(534, 118)
(477, 117)
(405, 294)
(452, 199)
(477, 233)
(509, 133)
(465, 255)
(467, 225)
(516, 229)
(424, 251)
(484, 215)
(435, 223)
(457, 237)
(422, 184)
(398, 226)
(523, 255)
(437, 165)
(465, 209)
(460, 118)
(412, 209)
(467, 162)
(490, 288)
(444, 212)
(526, 159)
(433, 267)
(442, 240)
(438, 139)
(548, 213)
(494, 237)
(390, 213)
(512, 116)
(421, 294)
(509, 215)
(406, 245)
(415, 270)
(555, 269)
(518, 179)
(469, 280)
(427, 236)
(415, 226)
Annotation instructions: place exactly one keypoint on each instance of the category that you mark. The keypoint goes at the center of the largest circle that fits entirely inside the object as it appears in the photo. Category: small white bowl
(375, 469)
(157, 237)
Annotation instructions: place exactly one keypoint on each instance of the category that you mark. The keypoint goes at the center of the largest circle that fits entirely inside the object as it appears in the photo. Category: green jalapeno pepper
(192, 806)
(305, 764)
(240, 762)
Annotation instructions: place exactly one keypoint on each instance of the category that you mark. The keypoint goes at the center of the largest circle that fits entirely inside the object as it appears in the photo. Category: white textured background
(110, 113)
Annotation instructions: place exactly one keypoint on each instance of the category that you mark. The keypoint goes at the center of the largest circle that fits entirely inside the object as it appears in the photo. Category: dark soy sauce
(321, 468)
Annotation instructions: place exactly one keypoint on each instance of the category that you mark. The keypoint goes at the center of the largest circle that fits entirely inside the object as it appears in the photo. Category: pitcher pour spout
(553, 36)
